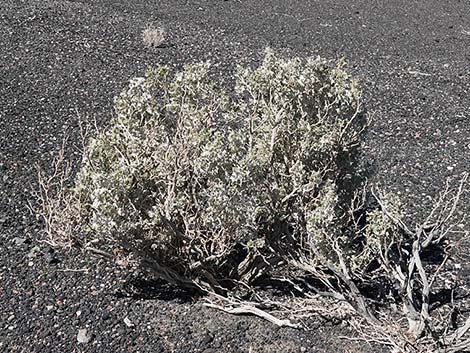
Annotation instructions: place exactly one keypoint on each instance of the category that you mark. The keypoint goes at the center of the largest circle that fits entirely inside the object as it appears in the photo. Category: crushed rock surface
(64, 61)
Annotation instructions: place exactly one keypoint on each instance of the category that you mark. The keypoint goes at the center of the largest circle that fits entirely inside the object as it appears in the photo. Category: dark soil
(64, 59)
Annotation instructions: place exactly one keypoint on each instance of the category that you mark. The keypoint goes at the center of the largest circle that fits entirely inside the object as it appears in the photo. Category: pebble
(18, 241)
(128, 322)
(83, 336)
(206, 339)
(34, 252)
(51, 259)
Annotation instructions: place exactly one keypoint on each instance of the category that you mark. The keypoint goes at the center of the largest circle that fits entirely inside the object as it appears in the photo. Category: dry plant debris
(153, 36)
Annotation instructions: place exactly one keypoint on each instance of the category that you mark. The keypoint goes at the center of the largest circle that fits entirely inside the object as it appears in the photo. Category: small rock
(128, 322)
(106, 315)
(83, 336)
(19, 241)
(51, 259)
(34, 252)
(207, 339)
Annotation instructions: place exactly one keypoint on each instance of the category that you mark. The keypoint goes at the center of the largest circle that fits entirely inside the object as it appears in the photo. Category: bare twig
(247, 310)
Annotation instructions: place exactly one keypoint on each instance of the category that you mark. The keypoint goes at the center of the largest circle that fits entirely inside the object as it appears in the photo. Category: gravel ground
(63, 59)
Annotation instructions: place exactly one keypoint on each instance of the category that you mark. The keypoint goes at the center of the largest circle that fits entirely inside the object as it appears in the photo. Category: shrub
(213, 189)
(205, 186)
(153, 36)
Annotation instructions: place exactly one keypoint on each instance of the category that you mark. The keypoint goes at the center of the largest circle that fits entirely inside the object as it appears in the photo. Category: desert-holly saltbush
(212, 190)
(205, 186)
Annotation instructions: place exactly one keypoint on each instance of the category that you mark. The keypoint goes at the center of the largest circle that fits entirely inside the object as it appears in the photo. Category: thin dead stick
(99, 252)
(244, 309)
(460, 332)
(74, 270)
(398, 222)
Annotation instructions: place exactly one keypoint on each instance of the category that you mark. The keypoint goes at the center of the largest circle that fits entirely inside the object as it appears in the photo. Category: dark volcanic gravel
(64, 59)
